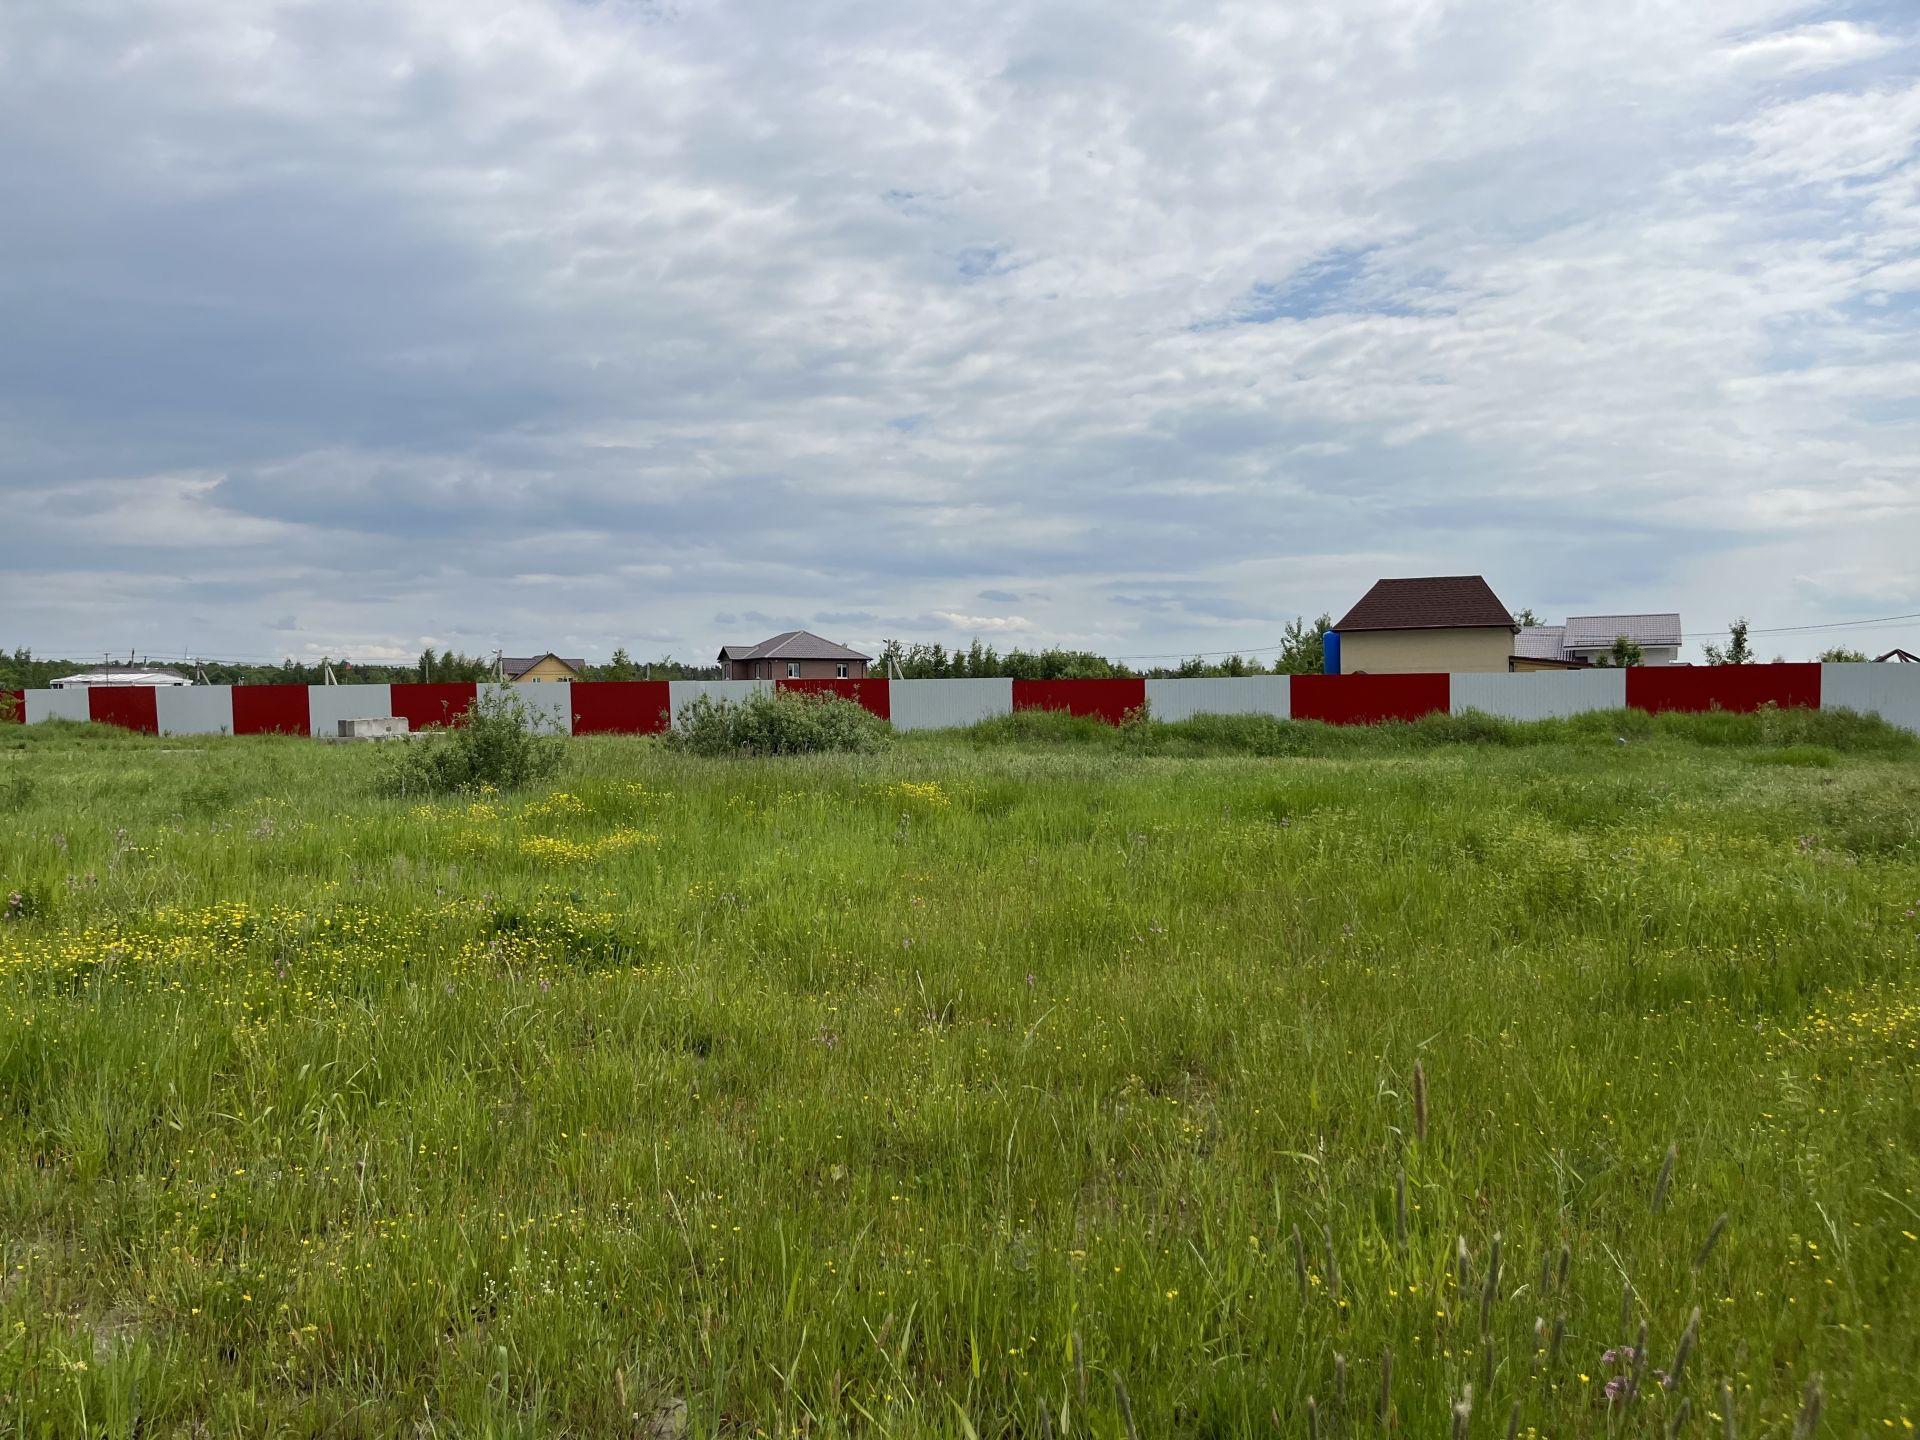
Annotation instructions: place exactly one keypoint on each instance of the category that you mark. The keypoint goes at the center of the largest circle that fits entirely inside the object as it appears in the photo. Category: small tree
(1624, 653)
(1736, 651)
(620, 667)
(1303, 647)
(1526, 617)
(1841, 655)
(493, 745)
(779, 722)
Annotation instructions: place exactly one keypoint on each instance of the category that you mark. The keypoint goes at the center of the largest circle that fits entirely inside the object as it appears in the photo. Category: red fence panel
(436, 704)
(270, 710)
(1722, 687)
(873, 693)
(620, 707)
(1108, 700)
(131, 707)
(17, 711)
(1367, 699)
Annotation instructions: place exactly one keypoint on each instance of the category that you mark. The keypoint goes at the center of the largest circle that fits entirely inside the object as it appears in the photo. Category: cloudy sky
(1137, 325)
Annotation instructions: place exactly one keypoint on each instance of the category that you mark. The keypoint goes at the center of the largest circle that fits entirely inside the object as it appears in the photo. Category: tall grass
(908, 1094)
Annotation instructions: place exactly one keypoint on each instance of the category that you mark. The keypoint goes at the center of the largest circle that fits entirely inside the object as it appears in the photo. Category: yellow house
(539, 669)
(1425, 625)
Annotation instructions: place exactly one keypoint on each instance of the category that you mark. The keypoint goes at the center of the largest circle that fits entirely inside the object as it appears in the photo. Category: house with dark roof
(537, 669)
(792, 655)
(1426, 624)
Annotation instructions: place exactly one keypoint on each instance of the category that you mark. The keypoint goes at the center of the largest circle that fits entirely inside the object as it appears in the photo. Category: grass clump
(778, 722)
(492, 745)
(1799, 734)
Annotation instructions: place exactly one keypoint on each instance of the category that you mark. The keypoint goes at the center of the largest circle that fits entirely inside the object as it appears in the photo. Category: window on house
(793, 669)
(840, 671)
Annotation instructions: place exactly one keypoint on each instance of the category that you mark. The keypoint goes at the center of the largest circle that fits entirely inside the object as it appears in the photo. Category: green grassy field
(906, 1094)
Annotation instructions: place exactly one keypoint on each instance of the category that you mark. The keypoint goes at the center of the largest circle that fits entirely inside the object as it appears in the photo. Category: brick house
(792, 655)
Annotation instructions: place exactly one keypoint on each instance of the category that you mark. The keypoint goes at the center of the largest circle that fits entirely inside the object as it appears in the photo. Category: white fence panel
(194, 709)
(682, 693)
(1890, 691)
(1225, 695)
(328, 705)
(549, 705)
(1539, 694)
(947, 704)
(56, 705)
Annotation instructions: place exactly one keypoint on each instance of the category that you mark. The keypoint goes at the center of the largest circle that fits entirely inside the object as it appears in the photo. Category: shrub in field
(1472, 727)
(1044, 727)
(494, 744)
(1844, 731)
(778, 722)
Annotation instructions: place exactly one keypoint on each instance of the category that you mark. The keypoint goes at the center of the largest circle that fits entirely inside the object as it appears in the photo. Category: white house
(1587, 638)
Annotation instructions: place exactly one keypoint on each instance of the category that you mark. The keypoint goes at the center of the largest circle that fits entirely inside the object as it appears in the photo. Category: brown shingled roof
(791, 645)
(1429, 602)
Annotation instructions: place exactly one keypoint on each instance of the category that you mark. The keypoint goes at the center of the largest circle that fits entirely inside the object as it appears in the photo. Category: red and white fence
(646, 707)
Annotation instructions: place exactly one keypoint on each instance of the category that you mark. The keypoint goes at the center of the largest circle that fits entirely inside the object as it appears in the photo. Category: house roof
(518, 665)
(791, 645)
(1429, 602)
(1541, 642)
(121, 675)
(1597, 632)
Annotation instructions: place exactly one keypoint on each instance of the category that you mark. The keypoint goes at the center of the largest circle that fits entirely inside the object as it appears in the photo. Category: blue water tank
(1332, 652)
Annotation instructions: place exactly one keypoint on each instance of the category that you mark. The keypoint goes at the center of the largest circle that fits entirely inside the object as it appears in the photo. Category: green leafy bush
(493, 744)
(778, 722)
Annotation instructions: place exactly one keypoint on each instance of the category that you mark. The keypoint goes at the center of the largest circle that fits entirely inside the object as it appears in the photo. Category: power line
(1796, 629)
(1201, 654)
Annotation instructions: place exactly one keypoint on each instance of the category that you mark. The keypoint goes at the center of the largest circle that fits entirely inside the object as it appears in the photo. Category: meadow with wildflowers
(1033, 1082)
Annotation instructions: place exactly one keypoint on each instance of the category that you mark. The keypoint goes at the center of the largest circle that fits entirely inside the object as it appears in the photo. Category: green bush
(1471, 727)
(492, 744)
(1043, 727)
(778, 722)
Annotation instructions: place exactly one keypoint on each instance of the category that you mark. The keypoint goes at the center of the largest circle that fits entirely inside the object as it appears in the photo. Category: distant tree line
(21, 669)
(1302, 652)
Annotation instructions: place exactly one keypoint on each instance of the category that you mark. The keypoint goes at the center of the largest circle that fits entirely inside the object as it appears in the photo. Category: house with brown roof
(792, 655)
(1426, 624)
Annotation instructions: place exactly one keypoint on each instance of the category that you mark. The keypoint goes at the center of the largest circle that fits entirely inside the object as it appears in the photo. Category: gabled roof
(518, 665)
(791, 645)
(1596, 632)
(1540, 642)
(1429, 602)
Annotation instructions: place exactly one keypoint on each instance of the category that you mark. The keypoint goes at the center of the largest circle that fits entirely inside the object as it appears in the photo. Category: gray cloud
(542, 325)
